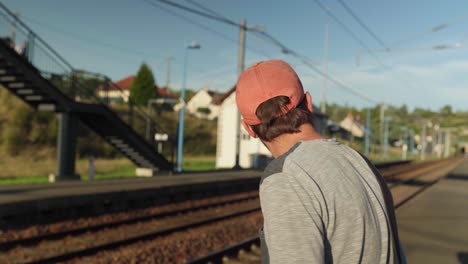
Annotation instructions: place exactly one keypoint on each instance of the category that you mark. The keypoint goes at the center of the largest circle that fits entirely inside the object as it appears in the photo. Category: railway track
(97, 239)
(404, 181)
(116, 230)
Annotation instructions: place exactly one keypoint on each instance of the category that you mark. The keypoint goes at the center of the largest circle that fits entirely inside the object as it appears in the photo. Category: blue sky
(115, 37)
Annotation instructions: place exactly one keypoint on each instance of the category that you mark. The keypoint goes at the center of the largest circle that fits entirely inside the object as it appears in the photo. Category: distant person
(322, 202)
(19, 49)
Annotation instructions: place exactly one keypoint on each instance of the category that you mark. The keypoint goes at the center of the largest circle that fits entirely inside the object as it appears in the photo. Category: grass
(199, 163)
(35, 166)
(104, 169)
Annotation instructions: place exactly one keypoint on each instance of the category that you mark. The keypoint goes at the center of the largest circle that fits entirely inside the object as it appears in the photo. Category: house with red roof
(119, 91)
(203, 104)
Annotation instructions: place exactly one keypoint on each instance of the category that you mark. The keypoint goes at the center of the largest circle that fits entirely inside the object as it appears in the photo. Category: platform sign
(161, 137)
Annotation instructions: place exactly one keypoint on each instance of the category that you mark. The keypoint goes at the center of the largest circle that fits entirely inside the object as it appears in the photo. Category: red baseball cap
(263, 81)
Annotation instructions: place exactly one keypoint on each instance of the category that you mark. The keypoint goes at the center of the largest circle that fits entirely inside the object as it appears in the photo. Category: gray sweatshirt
(323, 204)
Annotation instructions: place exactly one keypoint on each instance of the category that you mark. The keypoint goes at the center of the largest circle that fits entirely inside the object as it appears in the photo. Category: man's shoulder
(309, 157)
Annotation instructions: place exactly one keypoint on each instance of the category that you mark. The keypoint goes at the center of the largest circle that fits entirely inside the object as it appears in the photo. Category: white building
(353, 125)
(252, 152)
(203, 104)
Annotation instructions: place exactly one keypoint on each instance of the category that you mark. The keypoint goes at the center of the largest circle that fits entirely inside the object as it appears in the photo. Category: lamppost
(180, 140)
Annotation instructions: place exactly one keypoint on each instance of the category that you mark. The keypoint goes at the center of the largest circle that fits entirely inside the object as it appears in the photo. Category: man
(322, 202)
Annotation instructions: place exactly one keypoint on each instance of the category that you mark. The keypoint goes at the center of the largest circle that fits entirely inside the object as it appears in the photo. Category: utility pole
(240, 69)
(168, 71)
(325, 80)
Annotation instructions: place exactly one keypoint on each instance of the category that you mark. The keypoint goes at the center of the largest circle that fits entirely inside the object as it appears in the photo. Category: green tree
(446, 110)
(144, 86)
(188, 94)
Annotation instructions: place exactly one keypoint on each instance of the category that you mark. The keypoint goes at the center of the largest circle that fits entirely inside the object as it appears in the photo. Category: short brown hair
(273, 125)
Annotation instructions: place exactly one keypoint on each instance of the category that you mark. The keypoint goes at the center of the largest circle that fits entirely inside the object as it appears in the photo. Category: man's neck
(283, 143)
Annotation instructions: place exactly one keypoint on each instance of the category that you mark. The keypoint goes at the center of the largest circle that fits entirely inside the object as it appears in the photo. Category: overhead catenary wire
(359, 40)
(206, 8)
(213, 12)
(89, 40)
(97, 42)
(217, 33)
(356, 17)
(308, 62)
(198, 12)
(273, 40)
(431, 30)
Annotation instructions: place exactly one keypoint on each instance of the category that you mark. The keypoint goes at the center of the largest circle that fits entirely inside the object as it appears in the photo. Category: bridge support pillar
(66, 146)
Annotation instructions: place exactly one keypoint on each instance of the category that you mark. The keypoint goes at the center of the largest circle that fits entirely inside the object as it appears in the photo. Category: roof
(223, 97)
(165, 92)
(123, 84)
(215, 95)
(126, 83)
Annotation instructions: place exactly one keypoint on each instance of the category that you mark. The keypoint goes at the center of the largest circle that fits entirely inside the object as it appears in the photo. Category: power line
(355, 37)
(89, 40)
(200, 13)
(273, 40)
(433, 29)
(362, 23)
(191, 21)
(213, 12)
(308, 62)
(206, 8)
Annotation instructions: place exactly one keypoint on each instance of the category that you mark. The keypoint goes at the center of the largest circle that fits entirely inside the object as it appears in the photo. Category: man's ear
(248, 128)
(308, 98)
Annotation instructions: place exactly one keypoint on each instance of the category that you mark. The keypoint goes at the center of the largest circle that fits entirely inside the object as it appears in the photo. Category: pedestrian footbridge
(41, 77)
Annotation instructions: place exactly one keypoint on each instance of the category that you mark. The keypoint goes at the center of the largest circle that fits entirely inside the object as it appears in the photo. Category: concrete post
(368, 131)
(405, 143)
(411, 142)
(66, 146)
(386, 124)
(447, 143)
(423, 143)
(91, 168)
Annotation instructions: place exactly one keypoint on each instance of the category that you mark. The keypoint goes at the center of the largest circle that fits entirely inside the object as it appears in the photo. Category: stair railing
(73, 83)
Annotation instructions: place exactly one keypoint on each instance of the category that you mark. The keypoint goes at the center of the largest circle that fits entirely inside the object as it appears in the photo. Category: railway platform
(37, 203)
(434, 225)
(34, 203)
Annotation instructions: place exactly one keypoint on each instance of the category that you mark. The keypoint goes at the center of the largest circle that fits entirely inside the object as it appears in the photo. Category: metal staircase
(32, 76)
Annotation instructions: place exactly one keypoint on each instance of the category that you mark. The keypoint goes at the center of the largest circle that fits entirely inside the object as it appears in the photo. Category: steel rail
(113, 224)
(133, 239)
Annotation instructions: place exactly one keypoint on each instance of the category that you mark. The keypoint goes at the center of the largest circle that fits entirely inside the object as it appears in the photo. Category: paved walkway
(434, 226)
